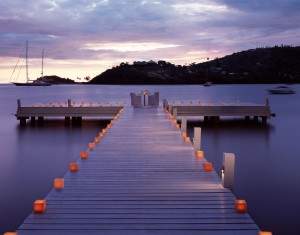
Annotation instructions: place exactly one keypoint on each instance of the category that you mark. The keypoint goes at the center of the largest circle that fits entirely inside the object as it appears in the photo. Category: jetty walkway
(141, 179)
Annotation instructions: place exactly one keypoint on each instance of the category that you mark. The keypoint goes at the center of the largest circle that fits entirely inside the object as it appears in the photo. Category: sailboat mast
(27, 78)
(43, 55)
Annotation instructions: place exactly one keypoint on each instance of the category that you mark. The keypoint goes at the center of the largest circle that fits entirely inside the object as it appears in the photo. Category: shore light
(84, 155)
(199, 154)
(208, 166)
(240, 206)
(59, 183)
(73, 167)
(39, 206)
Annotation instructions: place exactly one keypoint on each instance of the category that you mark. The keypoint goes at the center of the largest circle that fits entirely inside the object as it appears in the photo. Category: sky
(86, 37)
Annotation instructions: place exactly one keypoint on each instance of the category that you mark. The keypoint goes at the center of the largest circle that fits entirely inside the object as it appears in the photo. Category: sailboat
(32, 82)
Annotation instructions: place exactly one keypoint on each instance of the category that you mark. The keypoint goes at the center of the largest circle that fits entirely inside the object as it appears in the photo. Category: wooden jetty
(214, 112)
(141, 179)
(68, 111)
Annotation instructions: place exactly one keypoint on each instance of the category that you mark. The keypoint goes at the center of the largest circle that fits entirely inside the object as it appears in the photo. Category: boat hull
(31, 84)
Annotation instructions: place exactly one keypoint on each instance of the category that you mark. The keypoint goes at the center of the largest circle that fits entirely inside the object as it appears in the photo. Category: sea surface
(267, 165)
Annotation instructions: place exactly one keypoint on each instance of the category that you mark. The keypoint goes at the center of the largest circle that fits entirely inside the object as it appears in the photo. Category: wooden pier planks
(141, 179)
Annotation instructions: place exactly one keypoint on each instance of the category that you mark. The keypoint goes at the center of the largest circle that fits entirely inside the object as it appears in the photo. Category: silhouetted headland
(279, 64)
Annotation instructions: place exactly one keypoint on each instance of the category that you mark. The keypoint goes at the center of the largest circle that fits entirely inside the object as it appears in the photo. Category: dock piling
(228, 170)
(197, 138)
(183, 125)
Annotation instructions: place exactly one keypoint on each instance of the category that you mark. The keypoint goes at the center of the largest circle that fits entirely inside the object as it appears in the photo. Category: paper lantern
(208, 166)
(84, 155)
(73, 167)
(264, 233)
(240, 206)
(199, 154)
(39, 206)
(91, 146)
(59, 183)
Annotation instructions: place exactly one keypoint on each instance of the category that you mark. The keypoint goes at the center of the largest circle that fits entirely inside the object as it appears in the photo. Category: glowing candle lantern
(91, 146)
(84, 155)
(199, 154)
(208, 166)
(73, 167)
(264, 233)
(39, 206)
(240, 206)
(59, 183)
(10, 233)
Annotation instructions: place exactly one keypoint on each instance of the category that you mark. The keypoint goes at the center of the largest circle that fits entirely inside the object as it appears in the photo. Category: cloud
(116, 30)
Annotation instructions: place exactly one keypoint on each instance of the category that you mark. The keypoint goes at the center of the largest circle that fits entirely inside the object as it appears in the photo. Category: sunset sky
(85, 37)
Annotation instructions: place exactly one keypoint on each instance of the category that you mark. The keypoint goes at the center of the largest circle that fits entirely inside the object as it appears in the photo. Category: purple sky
(84, 37)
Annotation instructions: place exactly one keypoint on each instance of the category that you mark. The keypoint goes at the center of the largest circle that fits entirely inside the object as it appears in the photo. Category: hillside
(261, 65)
(55, 80)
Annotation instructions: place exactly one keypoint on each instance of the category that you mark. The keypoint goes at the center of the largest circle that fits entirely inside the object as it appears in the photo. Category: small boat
(281, 90)
(207, 84)
(28, 81)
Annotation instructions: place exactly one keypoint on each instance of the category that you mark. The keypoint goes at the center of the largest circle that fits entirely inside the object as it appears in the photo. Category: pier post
(267, 102)
(175, 113)
(264, 120)
(19, 103)
(197, 138)
(67, 120)
(22, 121)
(69, 103)
(40, 120)
(183, 124)
(32, 120)
(227, 173)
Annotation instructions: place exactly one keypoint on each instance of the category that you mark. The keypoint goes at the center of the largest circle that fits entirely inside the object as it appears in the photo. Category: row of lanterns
(40, 205)
(240, 205)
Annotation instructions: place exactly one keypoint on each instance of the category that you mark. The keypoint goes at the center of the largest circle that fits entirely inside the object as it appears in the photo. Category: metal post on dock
(183, 125)
(228, 168)
(197, 138)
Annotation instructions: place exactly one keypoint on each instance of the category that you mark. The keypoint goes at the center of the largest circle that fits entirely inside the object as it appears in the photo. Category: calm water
(268, 158)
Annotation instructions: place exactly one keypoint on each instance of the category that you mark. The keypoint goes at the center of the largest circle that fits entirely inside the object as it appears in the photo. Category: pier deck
(68, 112)
(141, 179)
(193, 112)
